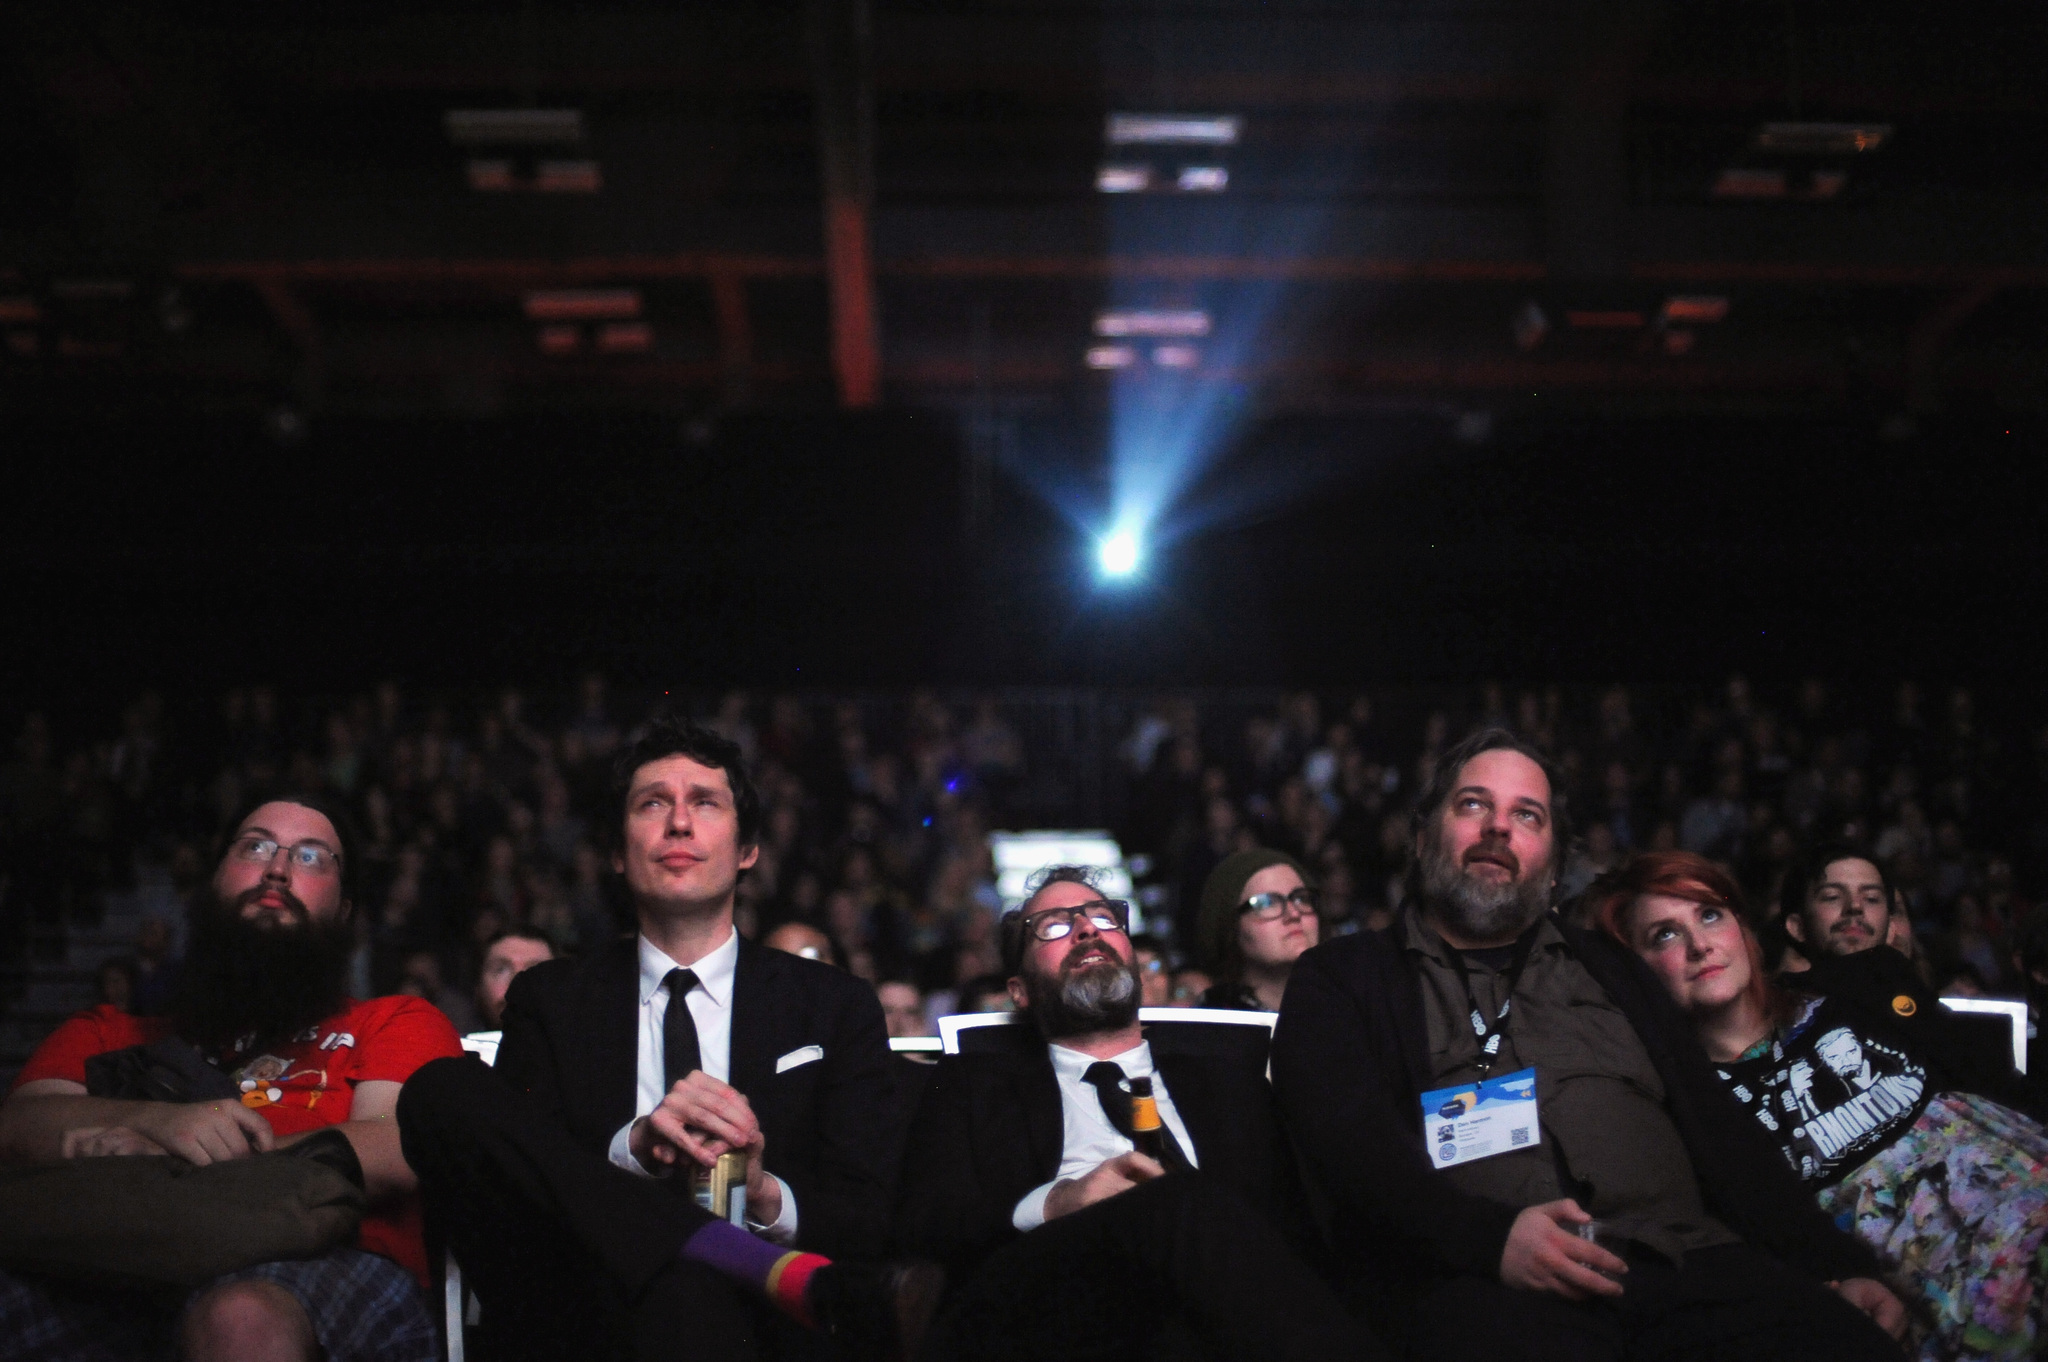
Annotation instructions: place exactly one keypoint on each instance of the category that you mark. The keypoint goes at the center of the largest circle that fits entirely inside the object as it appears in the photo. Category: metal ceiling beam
(533, 273)
(1930, 335)
(842, 59)
(735, 335)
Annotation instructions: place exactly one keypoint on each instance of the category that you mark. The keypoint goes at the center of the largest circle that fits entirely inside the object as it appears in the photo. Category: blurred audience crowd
(486, 815)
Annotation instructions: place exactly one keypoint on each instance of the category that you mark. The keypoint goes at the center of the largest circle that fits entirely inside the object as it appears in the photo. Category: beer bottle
(1147, 1133)
(722, 1188)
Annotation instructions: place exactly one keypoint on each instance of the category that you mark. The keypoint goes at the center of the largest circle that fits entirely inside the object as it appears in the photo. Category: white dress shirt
(1089, 1140)
(710, 1004)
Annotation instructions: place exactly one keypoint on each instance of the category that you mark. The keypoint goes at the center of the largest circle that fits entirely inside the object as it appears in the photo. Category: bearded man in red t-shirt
(263, 999)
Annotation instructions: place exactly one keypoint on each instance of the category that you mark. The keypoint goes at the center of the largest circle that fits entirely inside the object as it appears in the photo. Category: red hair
(1681, 875)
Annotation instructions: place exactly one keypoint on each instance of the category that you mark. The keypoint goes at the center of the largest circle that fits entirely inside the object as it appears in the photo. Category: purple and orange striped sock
(782, 1275)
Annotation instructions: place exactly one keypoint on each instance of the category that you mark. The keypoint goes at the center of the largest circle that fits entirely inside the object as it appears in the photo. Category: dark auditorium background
(409, 399)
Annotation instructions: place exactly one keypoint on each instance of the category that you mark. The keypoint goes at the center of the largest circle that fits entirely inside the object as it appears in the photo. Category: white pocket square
(799, 1057)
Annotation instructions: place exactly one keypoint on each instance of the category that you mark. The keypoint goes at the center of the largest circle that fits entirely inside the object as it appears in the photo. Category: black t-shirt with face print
(1830, 1096)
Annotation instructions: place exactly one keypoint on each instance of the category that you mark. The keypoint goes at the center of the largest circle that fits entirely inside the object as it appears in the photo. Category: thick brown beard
(266, 980)
(1478, 911)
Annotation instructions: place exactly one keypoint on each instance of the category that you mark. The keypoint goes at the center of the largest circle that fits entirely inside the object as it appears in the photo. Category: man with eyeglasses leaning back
(1062, 1239)
(1258, 915)
(262, 1050)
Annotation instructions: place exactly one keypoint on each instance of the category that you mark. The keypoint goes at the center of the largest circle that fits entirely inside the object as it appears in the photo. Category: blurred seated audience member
(1837, 901)
(1060, 1238)
(508, 955)
(1155, 981)
(262, 998)
(802, 939)
(156, 973)
(1258, 915)
(1900, 1121)
(902, 1009)
(420, 977)
(1339, 910)
(985, 993)
(114, 984)
(1960, 980)
(1190, 986)
(1701, 1242)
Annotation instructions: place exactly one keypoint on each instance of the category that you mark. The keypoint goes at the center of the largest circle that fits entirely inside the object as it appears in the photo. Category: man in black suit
(563, 1176)
(1465, 1234)
(1023, 1174)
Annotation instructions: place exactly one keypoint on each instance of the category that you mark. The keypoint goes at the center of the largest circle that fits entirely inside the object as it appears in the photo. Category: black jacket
(991, 1128)
(833, 1133)
(1351, 1061)
(1960, 1053)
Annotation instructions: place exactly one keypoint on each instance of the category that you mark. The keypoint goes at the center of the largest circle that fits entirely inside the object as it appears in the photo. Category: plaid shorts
(364, 1308)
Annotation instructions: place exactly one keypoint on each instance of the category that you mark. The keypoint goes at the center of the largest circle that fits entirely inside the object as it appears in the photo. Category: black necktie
(1107, 1078)
(679, 1055)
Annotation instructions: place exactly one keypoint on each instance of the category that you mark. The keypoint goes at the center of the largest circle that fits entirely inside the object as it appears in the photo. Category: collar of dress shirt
(1071, 1064)
(714, 971)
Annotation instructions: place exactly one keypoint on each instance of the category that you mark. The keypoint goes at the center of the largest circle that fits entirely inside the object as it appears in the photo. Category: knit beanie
(1215, 940)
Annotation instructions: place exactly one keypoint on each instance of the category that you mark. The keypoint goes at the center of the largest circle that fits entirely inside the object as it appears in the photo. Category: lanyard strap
(1490, 1034)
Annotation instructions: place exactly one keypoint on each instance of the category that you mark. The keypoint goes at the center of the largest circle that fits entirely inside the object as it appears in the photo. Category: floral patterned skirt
(1958, 1207)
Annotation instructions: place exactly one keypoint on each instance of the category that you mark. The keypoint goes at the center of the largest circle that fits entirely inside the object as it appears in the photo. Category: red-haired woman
(1879, 1105)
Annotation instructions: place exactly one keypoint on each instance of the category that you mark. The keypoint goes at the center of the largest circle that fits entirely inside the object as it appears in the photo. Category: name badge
(1481, 1119)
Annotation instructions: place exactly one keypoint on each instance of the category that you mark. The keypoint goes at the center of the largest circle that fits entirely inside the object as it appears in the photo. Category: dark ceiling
(241, 208)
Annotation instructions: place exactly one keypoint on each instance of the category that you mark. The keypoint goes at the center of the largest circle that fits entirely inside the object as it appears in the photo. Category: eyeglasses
(1266, 907)
(310, 857)
(1104, 915)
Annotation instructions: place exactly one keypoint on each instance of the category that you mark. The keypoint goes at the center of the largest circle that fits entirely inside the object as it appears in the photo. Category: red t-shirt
(302, 1086)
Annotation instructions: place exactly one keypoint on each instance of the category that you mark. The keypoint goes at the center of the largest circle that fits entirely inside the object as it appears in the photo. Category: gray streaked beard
(1084, 1002)
(1474, 909)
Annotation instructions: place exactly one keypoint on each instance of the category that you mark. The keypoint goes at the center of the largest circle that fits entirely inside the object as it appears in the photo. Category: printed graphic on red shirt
(301, 1085)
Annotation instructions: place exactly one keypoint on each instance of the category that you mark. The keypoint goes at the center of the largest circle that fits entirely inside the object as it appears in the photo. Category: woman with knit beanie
(1258, 916)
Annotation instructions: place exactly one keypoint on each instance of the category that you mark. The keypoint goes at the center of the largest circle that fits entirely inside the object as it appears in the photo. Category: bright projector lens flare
(1119, 554)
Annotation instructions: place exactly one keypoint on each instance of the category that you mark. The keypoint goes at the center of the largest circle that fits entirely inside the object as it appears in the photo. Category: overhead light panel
(1692, 309)
(625, 338)
(1203, 179)
(1111, 356)
(1116, 179)
(583, 304)
(1742, 182)
(1160, 322)
(1176, 356)
(1173, 130)
(1822, 139)
(513, 127)
(567, 177)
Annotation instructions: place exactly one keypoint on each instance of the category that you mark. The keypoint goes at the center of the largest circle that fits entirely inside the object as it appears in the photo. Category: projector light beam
(1119, 554)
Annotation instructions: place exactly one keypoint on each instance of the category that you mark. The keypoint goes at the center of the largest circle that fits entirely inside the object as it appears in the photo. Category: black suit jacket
(991, 1128)
(1351, 1062)
(571, 1042)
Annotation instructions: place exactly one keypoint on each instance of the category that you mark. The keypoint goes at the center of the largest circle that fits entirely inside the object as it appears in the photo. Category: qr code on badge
(1519, 1135)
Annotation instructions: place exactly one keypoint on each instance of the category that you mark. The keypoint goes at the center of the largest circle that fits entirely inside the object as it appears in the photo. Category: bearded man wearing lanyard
(1521, 1149)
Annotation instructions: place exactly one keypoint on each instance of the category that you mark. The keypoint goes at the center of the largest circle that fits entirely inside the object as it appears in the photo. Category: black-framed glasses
(1266, 907)
(1104, 915)
(308, 856)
